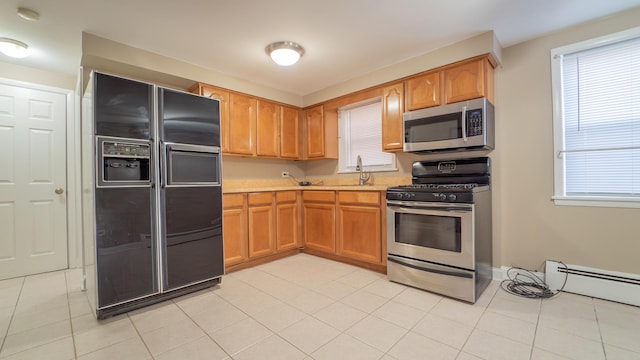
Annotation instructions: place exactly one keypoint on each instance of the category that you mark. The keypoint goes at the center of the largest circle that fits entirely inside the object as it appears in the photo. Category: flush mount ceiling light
(13, 48)
(28, 14)
(284, 53)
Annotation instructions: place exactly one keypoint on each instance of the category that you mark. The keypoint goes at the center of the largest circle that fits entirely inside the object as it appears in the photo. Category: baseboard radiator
(603, 284)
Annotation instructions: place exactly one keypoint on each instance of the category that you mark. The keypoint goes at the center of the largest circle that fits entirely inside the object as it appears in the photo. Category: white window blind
(598, 155)
(361, 134)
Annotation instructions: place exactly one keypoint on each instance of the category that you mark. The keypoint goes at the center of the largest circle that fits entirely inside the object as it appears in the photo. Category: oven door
(190, 165)
(440, 233)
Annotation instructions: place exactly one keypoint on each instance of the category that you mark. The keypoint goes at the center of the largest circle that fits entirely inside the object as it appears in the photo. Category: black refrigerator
(152, 196)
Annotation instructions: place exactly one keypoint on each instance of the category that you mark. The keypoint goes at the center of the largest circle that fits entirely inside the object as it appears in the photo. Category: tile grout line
(73, 338)
(199, 327)
(595, 312)
(13, 313)
(276, 333)
(535, 332)
(409, 330)
(476, 323)
(140, 335)
(311, 315)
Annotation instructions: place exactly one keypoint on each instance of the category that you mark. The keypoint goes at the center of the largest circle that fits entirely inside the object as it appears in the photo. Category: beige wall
(477, 45)
(241, 168)
(117, 58)
(37, 76)
(532, 228)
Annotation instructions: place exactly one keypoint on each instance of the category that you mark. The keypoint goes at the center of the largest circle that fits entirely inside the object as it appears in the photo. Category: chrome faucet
(364, 177)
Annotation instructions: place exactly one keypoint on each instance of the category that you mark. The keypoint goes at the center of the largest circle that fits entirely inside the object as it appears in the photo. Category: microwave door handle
(464, 123)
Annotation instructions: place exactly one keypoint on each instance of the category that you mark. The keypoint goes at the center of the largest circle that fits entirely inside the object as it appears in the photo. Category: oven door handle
(409, 207)
(431, 270)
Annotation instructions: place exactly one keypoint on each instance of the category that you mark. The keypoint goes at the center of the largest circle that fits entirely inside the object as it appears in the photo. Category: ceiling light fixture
(284, 53)
(28, 14)
(13, 48)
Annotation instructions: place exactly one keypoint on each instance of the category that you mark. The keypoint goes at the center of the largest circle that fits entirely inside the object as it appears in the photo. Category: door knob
(59, 191)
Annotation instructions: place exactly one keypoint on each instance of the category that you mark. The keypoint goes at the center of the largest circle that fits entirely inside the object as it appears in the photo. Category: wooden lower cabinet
(261, 215)
(319, 220)
(287, 233)
(342, 225)
(234, 225)
(359, 226)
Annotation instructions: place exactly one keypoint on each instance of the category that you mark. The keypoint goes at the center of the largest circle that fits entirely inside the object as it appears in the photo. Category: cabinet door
(465, 82)
(287, 226)
(261, 224)
(223, 97)
(359, 229)
(315, 132)
(424, 91)
(242, 124)
(268, 129)
(319, 226)
(392, 109)
(235, 236)
(289, 130)
(261, 231)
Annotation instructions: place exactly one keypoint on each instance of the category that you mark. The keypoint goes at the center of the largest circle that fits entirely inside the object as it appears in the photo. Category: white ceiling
(343, 39)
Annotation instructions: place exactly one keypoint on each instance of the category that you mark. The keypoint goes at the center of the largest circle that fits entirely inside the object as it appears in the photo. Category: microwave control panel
(474, 122)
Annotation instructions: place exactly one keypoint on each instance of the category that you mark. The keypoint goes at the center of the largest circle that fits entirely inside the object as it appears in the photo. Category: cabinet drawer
(359, 197)
(319, 196)
(261, 198)
(230, 201)
(285, 196)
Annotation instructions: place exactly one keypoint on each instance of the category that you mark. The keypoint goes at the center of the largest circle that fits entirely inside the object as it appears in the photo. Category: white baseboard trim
(598, 283)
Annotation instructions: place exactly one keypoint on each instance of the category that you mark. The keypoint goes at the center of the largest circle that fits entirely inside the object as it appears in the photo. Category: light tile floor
(305, 307)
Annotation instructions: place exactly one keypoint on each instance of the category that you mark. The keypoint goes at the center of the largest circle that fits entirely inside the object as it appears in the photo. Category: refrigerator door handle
(163, 164)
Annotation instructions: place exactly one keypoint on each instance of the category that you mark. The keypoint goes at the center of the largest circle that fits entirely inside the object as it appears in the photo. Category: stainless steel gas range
(439, 228)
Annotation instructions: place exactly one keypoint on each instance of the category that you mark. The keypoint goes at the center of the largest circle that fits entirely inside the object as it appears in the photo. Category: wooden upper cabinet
(392, 109)
(268, 129)
(321, 133)
(469, 81)
(242, 124)
(289, 133)
(315, 132)
(424, 91)
(223, 96)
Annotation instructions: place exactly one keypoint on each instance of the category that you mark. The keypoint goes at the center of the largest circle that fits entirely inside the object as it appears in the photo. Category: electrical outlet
(285, 174)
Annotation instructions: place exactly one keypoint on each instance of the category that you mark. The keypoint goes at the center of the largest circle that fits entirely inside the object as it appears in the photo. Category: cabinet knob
(59, 191)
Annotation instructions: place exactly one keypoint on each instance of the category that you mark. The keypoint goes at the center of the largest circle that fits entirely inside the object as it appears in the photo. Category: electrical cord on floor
(529, 285)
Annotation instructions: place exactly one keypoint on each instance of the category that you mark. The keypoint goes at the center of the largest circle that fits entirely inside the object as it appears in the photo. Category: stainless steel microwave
(466, 125)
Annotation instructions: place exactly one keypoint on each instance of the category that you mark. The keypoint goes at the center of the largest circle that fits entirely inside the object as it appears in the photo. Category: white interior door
(33, 210)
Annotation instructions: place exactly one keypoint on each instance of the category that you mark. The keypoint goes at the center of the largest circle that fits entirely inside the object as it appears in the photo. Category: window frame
(344, 128)
(559, 194)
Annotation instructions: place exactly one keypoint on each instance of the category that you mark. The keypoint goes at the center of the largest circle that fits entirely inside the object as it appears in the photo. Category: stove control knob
(406, 196)
(452, 197)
